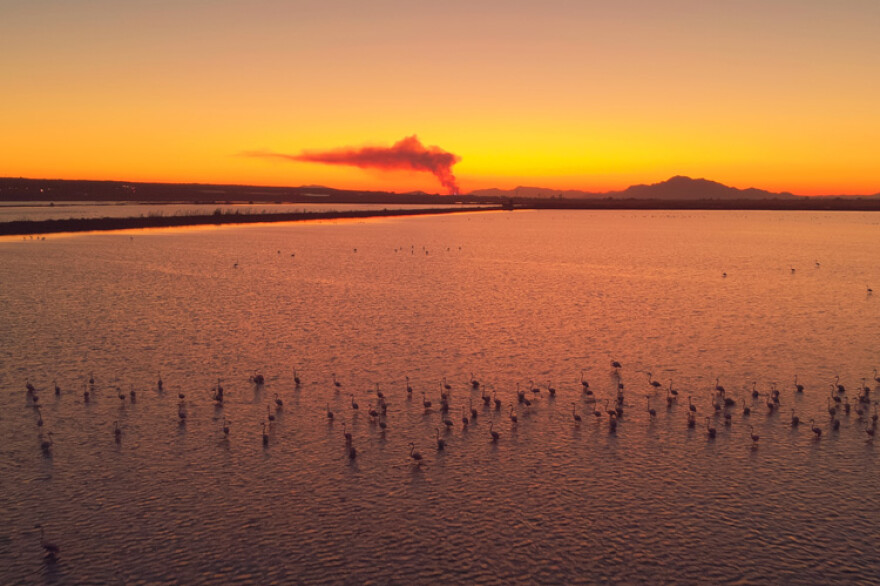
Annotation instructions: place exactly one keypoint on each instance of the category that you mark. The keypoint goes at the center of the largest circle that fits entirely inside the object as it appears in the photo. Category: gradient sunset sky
(777, 94)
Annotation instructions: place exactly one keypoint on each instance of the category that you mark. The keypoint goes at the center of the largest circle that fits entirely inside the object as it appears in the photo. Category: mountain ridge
(678, 187)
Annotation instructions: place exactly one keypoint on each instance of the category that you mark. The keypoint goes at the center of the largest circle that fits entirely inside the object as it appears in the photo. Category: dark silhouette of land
(676, 188)
(27, 227)
(677, 193)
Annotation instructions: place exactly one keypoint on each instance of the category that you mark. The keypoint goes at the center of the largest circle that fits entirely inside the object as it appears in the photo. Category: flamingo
(870, 431)
(160, 386)
(57, 388)
(353, 404)
(475, 384)
(691, 420)
(840, 387)
(265, 435)
(718, 387)
(346, 434)
(835, 398)
(608, 409)
(50, 548)
(441, 443)
(584, 383)
(754, 390)
(746, 409)
(795, 420)
(755, 437)
(798, 387)
(671, 391)
(46, 444)
(612, 423)
(651, 412)
(691, 406)
(816, 430)
(496, 400)
(574, 413)
(473, 411)
(653, 383)
(464, 419)
(832, 410)
(615, 364)
(329, 412)
(336, 383)
(117, 433)
(278, 402)
(296, 379)
(409, 388)
(417, 457)
(269, 415)
(512, 415)
(225, 427)
(425, 401)
(551, 389)
(596, 412)
(495, 435)
(446, 385)
(709, 429)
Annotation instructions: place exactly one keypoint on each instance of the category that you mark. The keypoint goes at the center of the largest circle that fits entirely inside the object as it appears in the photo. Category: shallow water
(510, 297)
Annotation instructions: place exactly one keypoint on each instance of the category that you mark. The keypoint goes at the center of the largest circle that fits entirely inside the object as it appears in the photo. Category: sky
(568, 94)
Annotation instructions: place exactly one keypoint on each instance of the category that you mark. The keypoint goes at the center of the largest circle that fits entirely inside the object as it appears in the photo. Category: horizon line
(419, 191)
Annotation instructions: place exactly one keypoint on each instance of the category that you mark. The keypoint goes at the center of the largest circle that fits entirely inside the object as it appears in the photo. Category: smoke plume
(408, 154)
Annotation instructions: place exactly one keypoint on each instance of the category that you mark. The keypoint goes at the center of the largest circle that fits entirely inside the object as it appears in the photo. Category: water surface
(510, 297)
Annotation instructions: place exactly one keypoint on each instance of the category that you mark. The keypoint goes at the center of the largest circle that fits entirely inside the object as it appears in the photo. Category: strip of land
(34, 227)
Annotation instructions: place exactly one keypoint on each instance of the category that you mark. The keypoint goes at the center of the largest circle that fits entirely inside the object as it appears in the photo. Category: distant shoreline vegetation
(216, 218)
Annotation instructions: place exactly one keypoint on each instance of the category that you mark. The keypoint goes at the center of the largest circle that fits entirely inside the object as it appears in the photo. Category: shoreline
(75, 225)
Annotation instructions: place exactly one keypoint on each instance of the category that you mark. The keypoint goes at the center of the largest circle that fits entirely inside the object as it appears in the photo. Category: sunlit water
(35, 211)
(511, 297)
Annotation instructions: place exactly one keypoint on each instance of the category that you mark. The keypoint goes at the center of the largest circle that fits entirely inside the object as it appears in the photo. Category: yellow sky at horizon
(778, 95)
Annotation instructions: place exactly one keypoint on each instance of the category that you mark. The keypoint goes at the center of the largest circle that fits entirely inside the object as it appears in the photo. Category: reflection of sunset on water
(496, 306)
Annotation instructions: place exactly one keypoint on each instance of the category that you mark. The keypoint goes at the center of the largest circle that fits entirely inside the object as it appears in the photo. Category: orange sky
(776, 94)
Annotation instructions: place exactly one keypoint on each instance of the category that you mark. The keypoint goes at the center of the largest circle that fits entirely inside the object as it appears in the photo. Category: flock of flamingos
(608, 411)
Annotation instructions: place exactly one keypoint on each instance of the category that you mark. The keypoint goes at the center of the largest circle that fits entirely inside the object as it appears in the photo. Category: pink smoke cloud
(408, 154)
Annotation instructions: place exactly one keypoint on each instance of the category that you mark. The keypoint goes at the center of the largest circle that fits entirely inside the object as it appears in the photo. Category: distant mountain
(680, 187)
(675, 188)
